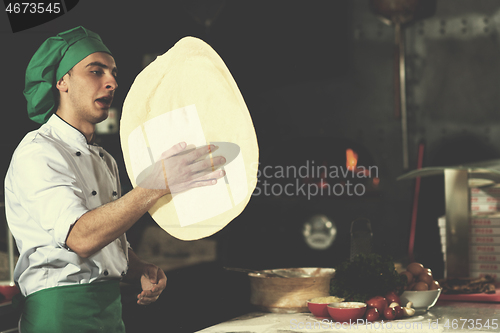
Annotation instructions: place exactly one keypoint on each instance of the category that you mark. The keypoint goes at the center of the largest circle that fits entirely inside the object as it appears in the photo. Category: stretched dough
(188, 94)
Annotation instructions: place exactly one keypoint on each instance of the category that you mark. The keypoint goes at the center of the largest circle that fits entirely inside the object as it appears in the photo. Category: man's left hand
(153, 281)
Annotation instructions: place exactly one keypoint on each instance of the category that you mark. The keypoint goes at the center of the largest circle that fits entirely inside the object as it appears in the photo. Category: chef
(63, 196)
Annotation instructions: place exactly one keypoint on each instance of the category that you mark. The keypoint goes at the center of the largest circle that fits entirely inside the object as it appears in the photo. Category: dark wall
(265, 44)
(319, 71)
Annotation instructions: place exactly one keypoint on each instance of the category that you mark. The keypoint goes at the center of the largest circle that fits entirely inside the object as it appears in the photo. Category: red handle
(413, 225)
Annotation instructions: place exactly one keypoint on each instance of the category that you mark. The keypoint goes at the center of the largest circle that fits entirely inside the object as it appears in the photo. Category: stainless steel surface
(400, 13)
(457, 222)
(445, 316)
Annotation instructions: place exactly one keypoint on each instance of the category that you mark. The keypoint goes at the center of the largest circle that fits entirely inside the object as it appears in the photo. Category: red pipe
(413, 225)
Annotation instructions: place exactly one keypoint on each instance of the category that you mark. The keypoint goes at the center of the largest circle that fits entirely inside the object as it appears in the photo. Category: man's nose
(112, 84)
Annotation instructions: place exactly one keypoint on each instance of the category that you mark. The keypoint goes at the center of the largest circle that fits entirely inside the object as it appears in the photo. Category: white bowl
(422, 300)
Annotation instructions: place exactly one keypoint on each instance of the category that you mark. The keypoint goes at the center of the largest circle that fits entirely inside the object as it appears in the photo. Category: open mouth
(104, 102)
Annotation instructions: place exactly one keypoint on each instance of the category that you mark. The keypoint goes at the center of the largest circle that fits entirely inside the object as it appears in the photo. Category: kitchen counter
(445, 316)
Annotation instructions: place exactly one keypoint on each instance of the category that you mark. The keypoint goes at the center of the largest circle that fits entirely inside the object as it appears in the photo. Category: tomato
(372, 314)
(390, 313)
(392, 297)
(399, 311)
(378, 302)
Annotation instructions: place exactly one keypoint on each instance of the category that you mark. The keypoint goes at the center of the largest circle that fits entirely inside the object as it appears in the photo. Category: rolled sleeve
(47, 187)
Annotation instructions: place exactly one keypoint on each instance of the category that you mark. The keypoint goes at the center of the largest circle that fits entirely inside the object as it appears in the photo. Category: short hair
(57, 93)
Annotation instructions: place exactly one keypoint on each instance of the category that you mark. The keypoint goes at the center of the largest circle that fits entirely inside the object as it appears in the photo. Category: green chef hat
(55, 57)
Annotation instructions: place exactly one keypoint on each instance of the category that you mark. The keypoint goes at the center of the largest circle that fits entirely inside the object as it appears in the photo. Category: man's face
(91, 86)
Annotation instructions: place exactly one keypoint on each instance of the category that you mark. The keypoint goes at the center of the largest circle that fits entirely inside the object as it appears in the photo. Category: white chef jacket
(54, 178)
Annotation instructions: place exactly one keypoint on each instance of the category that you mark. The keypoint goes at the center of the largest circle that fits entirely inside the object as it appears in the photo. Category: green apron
(85, 308)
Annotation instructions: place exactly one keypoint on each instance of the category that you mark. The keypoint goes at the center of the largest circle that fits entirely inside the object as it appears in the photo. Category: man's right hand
(179, 169)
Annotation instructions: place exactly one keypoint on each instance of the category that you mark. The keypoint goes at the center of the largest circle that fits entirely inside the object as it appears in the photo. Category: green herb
(366, 276)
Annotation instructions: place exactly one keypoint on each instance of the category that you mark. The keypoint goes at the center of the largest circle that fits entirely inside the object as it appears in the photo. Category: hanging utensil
(413, 225)
(400, 13)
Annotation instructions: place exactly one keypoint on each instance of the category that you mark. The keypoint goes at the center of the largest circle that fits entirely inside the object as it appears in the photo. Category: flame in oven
(351, 158)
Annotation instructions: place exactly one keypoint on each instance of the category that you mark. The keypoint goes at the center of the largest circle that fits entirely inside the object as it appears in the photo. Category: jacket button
(94, 192)
(101, 154)
(123, 273)
(78, 153)
(106, 273)
(115, 193)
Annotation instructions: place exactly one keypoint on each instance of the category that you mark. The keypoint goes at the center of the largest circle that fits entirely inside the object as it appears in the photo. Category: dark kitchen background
(318, 79)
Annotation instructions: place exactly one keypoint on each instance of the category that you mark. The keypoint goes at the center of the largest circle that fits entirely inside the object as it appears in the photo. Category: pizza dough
(188, 95)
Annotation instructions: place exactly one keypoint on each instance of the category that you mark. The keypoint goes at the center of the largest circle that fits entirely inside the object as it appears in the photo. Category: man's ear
(62, 85)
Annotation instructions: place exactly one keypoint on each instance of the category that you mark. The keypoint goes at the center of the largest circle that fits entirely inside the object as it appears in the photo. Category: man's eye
(96, 72)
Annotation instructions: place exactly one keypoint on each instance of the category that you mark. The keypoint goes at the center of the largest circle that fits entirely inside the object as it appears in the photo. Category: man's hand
(152, 278)
(179, 169)
(153, 281)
